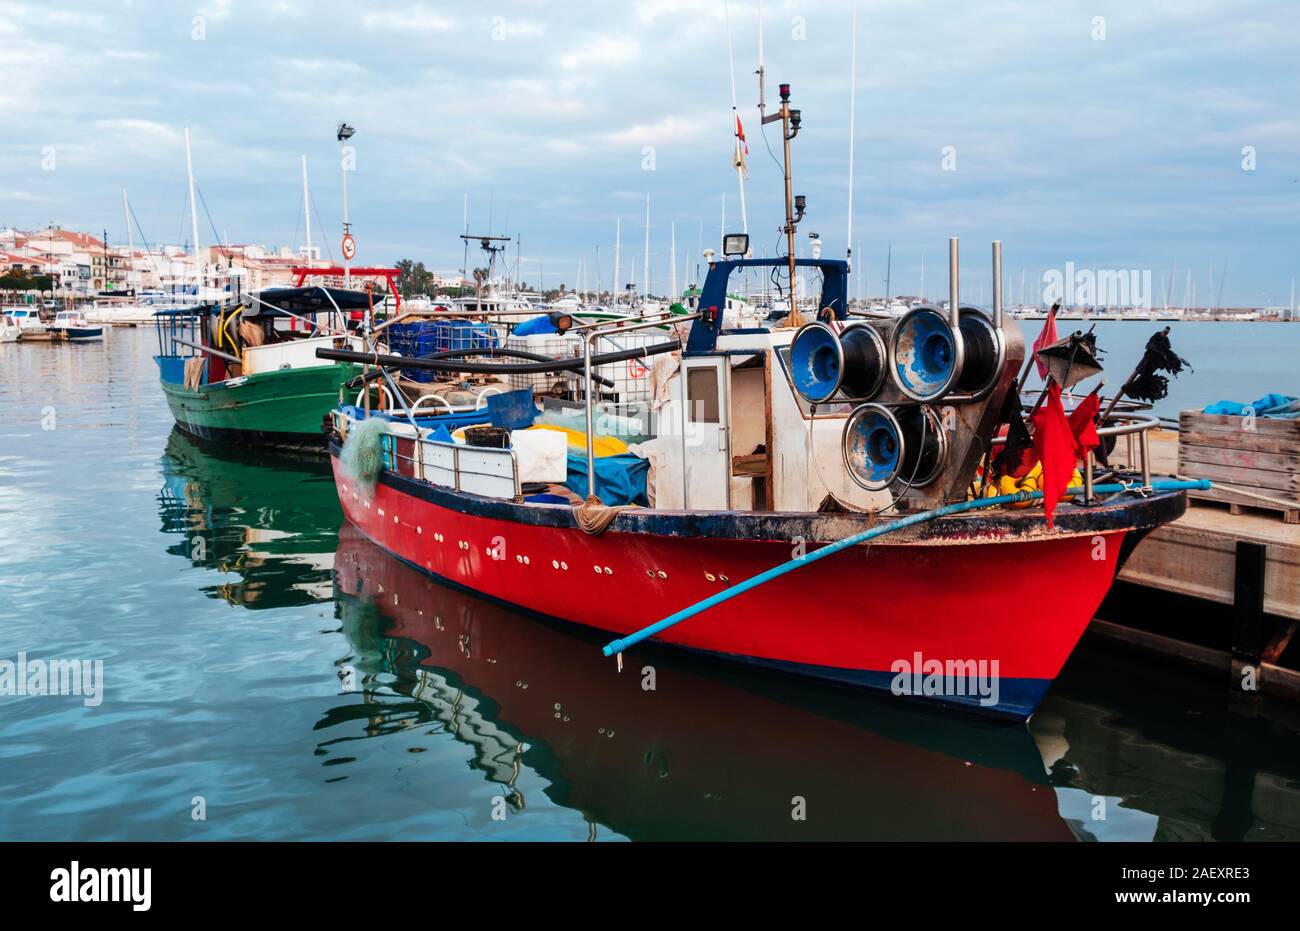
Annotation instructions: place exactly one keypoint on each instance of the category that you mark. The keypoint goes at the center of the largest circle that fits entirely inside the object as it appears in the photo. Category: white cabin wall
(801, 481)
(297, 354)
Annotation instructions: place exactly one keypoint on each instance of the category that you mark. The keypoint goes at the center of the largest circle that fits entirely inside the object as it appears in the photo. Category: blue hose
(618, 646)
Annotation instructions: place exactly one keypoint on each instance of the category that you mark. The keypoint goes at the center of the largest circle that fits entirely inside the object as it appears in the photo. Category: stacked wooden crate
(1254, 462)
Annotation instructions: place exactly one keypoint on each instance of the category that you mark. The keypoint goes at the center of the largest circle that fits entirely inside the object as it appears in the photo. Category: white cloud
(416, 18)
(604, 51)
(668, 130)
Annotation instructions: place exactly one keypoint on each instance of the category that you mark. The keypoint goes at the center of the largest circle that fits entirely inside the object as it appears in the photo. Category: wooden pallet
(1253, 466)
(1238, 502)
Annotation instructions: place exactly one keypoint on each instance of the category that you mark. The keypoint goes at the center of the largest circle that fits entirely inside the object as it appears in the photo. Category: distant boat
(30, 327)
(71, 325)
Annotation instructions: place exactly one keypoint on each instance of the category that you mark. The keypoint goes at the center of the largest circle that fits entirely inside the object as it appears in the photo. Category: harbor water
(269, 674)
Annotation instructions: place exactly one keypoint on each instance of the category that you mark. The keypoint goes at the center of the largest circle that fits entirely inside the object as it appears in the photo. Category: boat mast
(889, 267)
(645, 271)
(853, 93)
(130, 240)
(790, 120)
(306, 207)
(194, 215)
(618, 245)
(672, 269)
(735, 123)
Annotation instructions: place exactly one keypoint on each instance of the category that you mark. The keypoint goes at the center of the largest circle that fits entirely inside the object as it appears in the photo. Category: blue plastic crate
(428, 336)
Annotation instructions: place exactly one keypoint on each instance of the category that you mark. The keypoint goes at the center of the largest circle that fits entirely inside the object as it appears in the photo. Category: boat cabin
(722, 426)
(213, 343)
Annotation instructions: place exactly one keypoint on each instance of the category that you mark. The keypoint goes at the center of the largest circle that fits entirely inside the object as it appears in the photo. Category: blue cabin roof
(704, 334)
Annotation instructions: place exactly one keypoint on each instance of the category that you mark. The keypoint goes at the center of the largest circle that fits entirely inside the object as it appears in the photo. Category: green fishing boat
(238, 375)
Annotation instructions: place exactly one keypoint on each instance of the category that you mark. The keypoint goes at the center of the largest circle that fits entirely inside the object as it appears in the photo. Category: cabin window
(702, 394)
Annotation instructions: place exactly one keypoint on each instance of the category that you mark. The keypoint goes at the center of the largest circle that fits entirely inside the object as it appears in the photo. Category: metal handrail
(588, 394)
(1130, 424)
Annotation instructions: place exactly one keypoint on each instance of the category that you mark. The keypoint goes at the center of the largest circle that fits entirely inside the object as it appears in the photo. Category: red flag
(1046, 338)
(1055, 445)
(1083, 425)
(742, 149)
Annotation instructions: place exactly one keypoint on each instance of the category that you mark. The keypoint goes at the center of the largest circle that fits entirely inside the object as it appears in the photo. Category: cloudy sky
(1104, 133)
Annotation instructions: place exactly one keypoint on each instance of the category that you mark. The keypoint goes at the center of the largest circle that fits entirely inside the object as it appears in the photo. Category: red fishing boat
(821, 499)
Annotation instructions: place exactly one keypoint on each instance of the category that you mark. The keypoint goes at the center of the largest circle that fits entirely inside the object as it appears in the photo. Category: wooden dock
(1219, 588)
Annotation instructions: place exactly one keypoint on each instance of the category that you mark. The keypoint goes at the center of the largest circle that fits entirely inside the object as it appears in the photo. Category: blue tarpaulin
(1276, 406)
(619, 479)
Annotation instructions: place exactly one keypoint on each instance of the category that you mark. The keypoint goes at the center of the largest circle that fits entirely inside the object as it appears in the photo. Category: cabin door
(706, 446)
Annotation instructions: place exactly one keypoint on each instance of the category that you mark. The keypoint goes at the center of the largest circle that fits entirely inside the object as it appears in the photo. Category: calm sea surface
(296, 683)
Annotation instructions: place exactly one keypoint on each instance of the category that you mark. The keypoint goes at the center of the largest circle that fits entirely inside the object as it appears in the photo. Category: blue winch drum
(983, 353)
(816, 362)
(883, 445)
(823, 363)
(925, 354)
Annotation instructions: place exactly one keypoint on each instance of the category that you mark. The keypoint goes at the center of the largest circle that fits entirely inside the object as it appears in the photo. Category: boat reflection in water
(1119, 750)
(268, 519)
(706, 753)
(722, 753)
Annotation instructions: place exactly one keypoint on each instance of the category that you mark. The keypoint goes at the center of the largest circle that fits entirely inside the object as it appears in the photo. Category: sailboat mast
(618, 246)
(672, 272)
(306, 207)
(645, 274)
(130, 239)
(889, 266)
(194, 214)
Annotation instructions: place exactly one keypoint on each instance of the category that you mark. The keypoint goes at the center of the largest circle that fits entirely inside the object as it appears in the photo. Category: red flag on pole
(1046, 338)
(742, 149)
(1055, 445)
(1083, 425)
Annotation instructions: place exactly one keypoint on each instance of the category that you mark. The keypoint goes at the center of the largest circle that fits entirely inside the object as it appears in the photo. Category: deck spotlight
(735, 244)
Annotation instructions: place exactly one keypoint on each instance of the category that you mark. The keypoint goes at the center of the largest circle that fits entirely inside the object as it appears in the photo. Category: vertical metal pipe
(997, 283)
(587, 386)
(793, 317)
(1146, 460)
(1087, 478)
(954, 286)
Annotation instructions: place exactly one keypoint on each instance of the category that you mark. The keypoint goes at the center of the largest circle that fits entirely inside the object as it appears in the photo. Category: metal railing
(1126, 424)
(594, 332)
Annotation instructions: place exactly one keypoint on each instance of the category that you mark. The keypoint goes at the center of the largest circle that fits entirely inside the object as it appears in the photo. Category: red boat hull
(997, 603)
(694, 758)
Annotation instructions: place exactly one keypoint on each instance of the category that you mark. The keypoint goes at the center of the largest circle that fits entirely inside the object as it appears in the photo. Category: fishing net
(362, 453)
